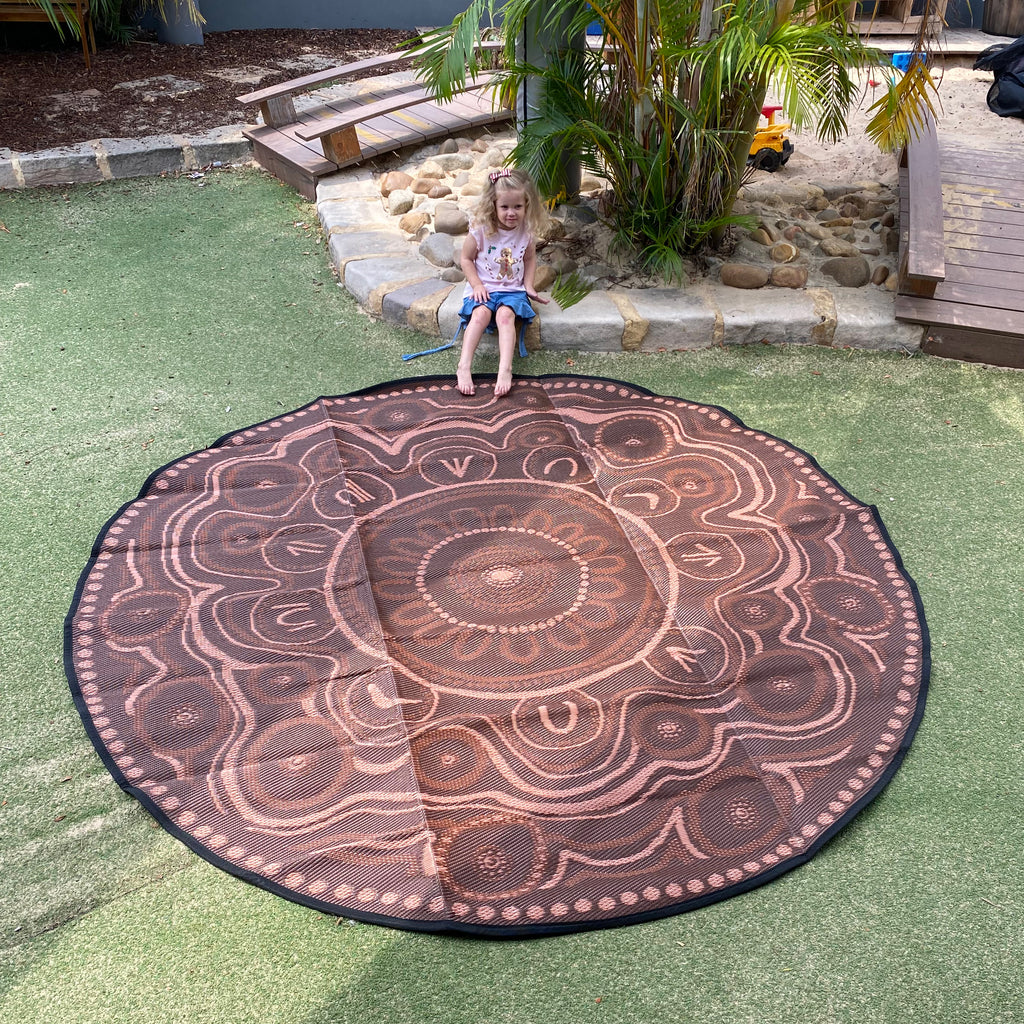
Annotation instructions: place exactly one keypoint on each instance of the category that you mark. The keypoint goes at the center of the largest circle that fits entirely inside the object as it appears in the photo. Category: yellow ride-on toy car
(770, 148)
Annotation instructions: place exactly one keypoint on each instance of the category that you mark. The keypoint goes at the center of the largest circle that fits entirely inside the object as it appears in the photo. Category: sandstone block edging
(109, 159)
(382, 269)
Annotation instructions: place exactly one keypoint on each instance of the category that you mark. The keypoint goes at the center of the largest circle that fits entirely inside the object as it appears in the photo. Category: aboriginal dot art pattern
(578, 656)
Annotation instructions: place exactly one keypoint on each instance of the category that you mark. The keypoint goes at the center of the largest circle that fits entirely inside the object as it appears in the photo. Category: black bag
(1006, 62)
(1002, 57)
(1006, 97)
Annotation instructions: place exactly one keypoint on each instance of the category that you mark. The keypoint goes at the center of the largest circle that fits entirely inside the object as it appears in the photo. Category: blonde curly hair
(509, 179)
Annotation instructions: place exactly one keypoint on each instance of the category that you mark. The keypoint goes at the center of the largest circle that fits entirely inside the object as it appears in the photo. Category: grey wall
(400, 14)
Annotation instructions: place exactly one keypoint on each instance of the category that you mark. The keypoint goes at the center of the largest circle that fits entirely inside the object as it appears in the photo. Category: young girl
(499, 260)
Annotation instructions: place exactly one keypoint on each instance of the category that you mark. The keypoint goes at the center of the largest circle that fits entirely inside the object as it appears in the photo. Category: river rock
(577, 214)
(749, 251)
(439, 191)
(430, 169)
(455, 162)
(789, 276)
(399, 202)
(879, 274)
(848, 271)
(784, 252)
(411, 222)
(834, 192)
(888, 219)
(492, 158)
(552, 230)
(544, 277)
(838, 247)
(450, 220)
(437, 249)
(761, 236)
(595, 272)
(448, 146)
(874, 208)
(421, 186)
(562, 264)
(394, 180)
(744, 275)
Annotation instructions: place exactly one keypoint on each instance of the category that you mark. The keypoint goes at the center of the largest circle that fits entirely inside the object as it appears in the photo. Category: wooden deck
(302, 146)
(976, 307)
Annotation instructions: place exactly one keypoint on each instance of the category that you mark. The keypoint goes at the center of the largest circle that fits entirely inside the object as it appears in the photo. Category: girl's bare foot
(464, 381)
(503, 384)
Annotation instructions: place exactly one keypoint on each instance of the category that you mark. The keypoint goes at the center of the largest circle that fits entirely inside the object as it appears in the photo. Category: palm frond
(446, 57)
(903, 109)
(68, 17)
(569, 289)
(160, 6)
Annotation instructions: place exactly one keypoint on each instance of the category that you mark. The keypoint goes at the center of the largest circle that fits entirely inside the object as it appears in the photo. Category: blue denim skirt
(517, 301)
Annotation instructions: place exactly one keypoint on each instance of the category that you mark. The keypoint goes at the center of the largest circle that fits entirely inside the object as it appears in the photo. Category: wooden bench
(73, 13)
(922, 263)
(338, 135)
(302, 146)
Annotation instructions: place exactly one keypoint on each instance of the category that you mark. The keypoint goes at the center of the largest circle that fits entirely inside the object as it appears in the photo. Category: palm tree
(666, 109)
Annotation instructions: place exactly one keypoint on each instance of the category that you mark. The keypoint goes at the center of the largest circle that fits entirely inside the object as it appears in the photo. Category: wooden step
(975, 346)
(950, 313)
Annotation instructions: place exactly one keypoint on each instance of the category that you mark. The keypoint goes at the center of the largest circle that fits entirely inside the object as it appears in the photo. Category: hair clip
(503, 173)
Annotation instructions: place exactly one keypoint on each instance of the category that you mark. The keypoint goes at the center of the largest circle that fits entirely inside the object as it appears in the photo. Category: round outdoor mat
(577, 656)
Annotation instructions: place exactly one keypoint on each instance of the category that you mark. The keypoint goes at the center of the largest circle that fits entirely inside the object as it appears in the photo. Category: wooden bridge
(962, 248)
(302, 146)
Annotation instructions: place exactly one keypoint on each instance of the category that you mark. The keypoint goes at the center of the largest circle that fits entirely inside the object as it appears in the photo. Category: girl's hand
(480, 293)
(531, 293)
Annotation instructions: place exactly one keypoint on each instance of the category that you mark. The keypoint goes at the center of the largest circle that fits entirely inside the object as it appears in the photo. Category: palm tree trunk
(748, 124)
(534, 45)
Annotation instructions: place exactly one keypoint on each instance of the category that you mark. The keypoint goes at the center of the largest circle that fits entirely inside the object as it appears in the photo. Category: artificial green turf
(142, 320)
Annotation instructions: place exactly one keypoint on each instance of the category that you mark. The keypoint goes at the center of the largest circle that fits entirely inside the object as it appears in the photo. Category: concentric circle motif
(576, 656)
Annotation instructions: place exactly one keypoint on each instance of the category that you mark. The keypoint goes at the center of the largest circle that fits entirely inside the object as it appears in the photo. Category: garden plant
(666, 107)
(115, 18)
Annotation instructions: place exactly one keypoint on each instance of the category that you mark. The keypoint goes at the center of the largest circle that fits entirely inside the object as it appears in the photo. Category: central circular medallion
(505, 579)
(503, 588)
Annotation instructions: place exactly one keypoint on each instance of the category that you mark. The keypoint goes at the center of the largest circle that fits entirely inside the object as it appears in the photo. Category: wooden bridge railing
(922, 245)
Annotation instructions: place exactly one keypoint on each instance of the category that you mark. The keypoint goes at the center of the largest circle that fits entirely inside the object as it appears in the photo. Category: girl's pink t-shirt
(500, 259)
